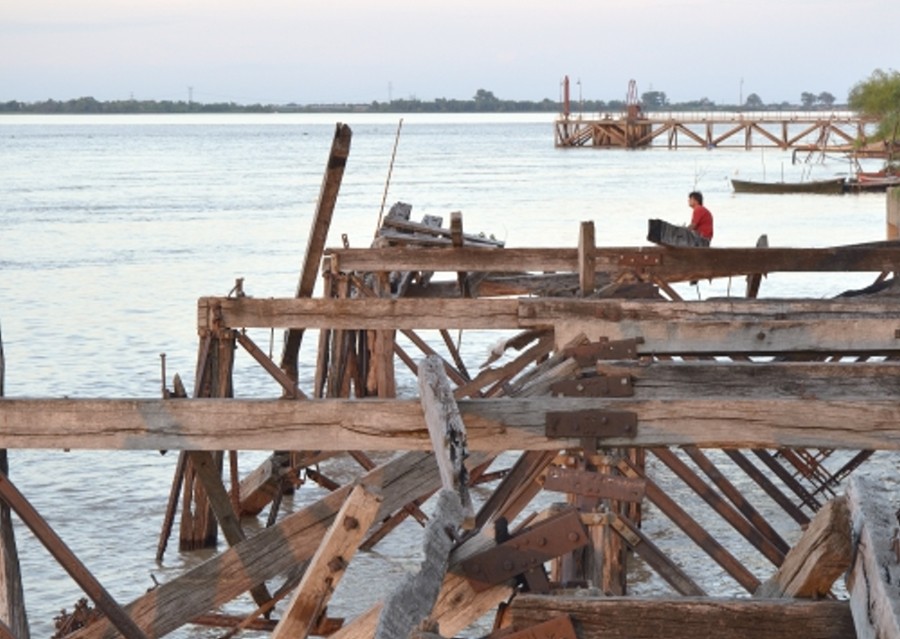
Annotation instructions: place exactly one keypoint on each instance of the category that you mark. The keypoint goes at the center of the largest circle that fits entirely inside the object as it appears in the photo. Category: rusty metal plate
(588, 354)
(594, 484)
(600, 386)
(556, 628)
(526, 551)
(591, 423)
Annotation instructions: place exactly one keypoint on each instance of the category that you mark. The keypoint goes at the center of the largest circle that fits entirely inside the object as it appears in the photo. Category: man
(701, 219)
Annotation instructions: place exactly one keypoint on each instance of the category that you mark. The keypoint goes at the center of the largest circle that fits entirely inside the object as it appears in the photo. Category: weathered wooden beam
(586, 267)
(875, 570)
(689, 617)
(270, 552)
(328, 564)
(315, 246)
(821, 555)
(666, 262)
(446, 431)
(737, 326)
(114, 614)
(494, 425)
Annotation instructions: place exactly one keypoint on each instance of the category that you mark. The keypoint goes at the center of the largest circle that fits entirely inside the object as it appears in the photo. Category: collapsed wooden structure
(602, 369)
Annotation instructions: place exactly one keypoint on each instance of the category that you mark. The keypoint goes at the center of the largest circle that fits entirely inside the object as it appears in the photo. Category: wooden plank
(13, 615)
(854, 325)
(821, 555)
(446, 431)
(586, 267)
(731, 515)
(768, 486)
(315, 244)
(328, 564)
(692, 529)
(670, 264)
(655, 558)
(269, 553)
(875, 571)
(104, 602)
(689, 617)
(494, 425)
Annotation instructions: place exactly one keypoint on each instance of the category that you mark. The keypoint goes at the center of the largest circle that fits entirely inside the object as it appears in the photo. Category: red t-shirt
(702, 222)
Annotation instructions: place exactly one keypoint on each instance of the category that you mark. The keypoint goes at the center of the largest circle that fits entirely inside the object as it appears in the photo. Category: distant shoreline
(487, 104)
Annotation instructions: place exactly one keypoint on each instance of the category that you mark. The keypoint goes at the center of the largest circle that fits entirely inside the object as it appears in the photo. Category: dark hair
(697, 195)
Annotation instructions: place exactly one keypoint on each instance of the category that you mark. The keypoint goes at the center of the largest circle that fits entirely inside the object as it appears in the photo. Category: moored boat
(831, 185)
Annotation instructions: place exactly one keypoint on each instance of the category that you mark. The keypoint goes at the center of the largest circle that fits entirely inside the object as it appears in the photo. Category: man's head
(695, 198)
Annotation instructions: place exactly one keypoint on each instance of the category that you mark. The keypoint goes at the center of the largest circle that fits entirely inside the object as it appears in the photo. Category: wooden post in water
(215, 365)
(12, 599)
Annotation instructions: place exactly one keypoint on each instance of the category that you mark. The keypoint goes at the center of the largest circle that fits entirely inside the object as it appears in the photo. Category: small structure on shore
(602, 366)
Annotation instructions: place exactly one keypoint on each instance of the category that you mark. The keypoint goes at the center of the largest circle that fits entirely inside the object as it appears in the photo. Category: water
(113, 226)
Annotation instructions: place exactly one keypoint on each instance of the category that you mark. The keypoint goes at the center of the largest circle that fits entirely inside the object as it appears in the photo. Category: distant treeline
(483, 102)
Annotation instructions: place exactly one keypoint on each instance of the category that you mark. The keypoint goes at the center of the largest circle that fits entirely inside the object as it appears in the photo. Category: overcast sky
(357, 51)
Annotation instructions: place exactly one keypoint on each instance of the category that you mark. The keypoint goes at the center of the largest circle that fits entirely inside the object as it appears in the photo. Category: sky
(359, 51)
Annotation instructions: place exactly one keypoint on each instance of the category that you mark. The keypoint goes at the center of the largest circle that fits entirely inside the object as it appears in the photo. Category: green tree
(879, 97)
(654, 99)
(826, 99)
(753, 101)
(807, 99)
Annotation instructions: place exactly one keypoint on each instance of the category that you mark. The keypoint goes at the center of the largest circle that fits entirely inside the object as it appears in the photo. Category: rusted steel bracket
(617, 385)
(588, 354)
(594, 484)
(591, 423)
(556, 628)
(525, 553)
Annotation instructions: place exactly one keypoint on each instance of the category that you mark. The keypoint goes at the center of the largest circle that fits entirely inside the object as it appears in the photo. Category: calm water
(113, 226)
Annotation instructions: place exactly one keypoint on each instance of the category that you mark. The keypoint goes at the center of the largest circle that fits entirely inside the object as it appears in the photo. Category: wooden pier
(800, 131)
(600, 367)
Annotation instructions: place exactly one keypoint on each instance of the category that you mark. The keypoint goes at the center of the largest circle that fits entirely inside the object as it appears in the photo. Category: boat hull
(830, 186)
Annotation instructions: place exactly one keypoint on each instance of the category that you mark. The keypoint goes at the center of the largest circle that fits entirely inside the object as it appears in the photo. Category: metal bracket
(591, 423)
(588, 354)
(616, 385)
(594, 484)
(526, 552)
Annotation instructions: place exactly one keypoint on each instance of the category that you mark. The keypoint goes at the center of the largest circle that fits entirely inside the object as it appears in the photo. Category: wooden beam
(114, 614)
(315, 246)
(446, 431)
(667, 328)
(875, 571)
(671, 264)
(689, 617)
(328, 564)
(270, 552)
(586, 267)
(494, 425)
(821, 555)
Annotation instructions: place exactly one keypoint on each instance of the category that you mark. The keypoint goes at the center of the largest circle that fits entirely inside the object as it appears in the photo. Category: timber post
(893, 213)
(12, 598)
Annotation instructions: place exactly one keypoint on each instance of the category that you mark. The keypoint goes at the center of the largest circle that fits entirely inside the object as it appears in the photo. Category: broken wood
(328, 564)
(821, 555)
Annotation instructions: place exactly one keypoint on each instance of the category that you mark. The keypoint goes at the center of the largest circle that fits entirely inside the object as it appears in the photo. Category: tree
(807, 99)
(879, 97)
(654, 99)
(754, 102)
(826, 99)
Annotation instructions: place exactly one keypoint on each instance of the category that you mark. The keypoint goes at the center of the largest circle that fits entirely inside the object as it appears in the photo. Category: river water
(113, 226)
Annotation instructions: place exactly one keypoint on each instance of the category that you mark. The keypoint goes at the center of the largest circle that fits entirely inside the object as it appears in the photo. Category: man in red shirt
(701, 219)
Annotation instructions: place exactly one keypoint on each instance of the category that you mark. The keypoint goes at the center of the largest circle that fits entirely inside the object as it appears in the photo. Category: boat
(871, 183)
(831, 185)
